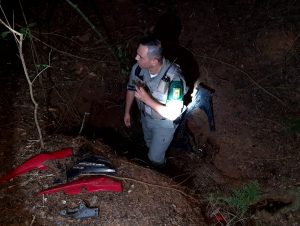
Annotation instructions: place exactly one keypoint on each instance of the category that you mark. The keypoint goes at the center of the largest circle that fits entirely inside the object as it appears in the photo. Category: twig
(9, 28)
(186, 179)
(44, 69)
(33, 219)
(93, 27)
(63, 52)
(61, 36)
(248, 76)
(19, 37)
(272, 159)
(83, 122)
(34, 54)
(154, 185)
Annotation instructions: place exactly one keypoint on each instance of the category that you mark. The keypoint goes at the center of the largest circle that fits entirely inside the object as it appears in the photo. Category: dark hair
(154, 47)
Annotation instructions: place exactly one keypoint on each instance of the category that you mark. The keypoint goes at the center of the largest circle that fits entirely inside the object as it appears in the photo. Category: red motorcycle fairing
(92, 184)
(37, 162)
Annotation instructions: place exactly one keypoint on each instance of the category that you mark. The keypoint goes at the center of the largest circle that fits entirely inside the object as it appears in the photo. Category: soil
(247, 51)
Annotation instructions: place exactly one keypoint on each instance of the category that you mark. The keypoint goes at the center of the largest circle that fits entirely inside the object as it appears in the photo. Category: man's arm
(128, 105)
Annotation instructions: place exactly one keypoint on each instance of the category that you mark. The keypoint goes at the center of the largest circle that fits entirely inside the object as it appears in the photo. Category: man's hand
(129, 101)
(127, 120)
(170, 111)
(142, 95)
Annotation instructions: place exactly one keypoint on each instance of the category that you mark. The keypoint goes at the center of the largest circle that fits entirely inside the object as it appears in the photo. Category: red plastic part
(36, 163)
(220, 219)
(92, 184)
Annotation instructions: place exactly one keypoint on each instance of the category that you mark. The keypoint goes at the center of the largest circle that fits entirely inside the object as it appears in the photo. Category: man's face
(142, 58)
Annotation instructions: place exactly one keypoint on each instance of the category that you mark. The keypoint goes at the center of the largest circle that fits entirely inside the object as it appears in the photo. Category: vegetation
(240, 202)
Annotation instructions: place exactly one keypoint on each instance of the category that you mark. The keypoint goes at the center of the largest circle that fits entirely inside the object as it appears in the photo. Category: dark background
(247, 51)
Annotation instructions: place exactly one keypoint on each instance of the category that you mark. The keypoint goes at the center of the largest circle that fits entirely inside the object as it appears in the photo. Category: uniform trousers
(158, 134)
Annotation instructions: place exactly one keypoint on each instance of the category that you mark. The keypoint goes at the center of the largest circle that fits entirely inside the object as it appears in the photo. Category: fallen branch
(86, 19)
(154, 185)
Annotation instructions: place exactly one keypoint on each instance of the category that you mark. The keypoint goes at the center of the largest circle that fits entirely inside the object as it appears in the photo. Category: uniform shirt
(151, 85)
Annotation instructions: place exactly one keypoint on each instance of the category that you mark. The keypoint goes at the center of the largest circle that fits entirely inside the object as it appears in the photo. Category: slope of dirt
(148, 198)
(247, 51)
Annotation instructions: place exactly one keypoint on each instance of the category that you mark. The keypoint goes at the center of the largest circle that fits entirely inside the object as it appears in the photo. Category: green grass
(242, 198)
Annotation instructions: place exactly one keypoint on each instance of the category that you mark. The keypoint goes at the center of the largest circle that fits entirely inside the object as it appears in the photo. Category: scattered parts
(203, 100)
(92, 165)
(80, 212)
(37, 162)
(92, 184)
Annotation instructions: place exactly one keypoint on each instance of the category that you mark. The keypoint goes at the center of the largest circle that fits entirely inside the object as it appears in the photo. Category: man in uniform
(158, 87)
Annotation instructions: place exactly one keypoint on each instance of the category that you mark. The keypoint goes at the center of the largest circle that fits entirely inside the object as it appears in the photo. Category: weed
(296, 205)
(4, 35)
(40, 67)
(23, 30)
(292, 125)
(240, 201)
(124, 58)
(242, 198)
(26, 30)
